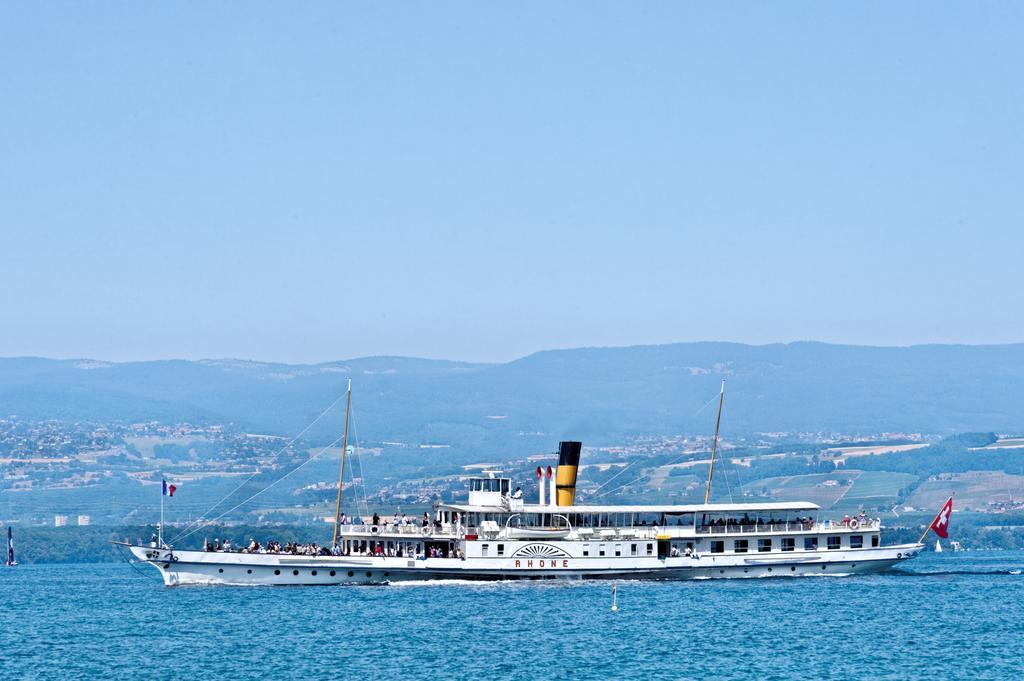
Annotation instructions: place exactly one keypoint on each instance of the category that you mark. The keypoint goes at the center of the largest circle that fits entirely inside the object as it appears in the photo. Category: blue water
(944, 616)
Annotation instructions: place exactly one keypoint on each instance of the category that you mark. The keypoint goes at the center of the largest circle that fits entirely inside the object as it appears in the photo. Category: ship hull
(180, 568)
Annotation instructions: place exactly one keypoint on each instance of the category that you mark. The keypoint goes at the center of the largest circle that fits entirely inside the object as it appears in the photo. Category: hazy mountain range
(595, 394)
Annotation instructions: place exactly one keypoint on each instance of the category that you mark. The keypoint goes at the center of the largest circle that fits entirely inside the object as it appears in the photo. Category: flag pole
(160, 535)
(341, 474)
(714, 443)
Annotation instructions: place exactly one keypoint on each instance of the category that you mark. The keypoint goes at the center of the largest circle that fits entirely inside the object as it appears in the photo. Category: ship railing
(792, 526)
(752, 528)
(411, 530)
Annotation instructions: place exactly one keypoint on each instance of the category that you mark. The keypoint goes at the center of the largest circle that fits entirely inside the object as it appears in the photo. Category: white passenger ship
(498, 536)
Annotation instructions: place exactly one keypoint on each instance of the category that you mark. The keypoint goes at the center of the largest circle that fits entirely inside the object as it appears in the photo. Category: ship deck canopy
(667, 509)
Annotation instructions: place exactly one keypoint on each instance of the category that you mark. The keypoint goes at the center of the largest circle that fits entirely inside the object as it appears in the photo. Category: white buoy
(615, 607)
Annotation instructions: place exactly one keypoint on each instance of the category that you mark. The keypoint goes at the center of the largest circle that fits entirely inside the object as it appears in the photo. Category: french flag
(169, 489)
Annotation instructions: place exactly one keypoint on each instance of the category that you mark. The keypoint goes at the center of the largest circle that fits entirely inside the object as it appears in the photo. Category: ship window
(739, 546)
(833, 542)
(717, 546)
(788, 544)
(586, 549)
(874, 540)
(810, 543)
(764, 545)
(501, 549)
(856, 541)
(483, 549)
(632, 549)
(650, 549)
(601, 551)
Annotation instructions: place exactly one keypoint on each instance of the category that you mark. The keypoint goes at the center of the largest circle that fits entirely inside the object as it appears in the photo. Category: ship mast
(341, 473)
(714, 443)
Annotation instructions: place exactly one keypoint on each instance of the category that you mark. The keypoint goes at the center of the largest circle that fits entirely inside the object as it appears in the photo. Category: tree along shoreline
(92, 544)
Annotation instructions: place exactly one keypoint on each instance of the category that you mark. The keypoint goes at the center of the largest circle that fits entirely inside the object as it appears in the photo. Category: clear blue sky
(312, 182)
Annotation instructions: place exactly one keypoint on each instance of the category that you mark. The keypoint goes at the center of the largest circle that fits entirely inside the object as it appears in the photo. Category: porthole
(351, 574)
(166, 565)
(249, 571)
(792, 568)
(332, 573)
(313, 573)
(277, 572)
(822, 567)
(769, 569)
(854, 565)
(369, 574)
(746, 570)
(721, 572)
(387, 574)
(220, 569)
(295, 572)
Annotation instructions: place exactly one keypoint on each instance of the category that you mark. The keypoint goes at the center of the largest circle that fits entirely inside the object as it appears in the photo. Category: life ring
(854, 523)
(374, 529)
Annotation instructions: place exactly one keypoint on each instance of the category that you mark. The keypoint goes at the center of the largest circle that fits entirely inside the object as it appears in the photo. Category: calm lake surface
(941, 616)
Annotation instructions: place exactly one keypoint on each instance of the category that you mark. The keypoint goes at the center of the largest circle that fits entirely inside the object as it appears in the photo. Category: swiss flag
(941, 522)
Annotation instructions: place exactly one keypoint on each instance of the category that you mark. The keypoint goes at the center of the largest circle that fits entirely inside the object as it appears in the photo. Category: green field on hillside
(842, 490)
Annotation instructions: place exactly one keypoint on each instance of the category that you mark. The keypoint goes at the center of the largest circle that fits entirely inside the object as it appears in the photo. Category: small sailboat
(10, 548)
(938, 546)
(615, 605)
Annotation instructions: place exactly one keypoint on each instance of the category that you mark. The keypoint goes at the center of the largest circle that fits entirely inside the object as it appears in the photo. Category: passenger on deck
(518, 494)
(426, 521)
(376, 519)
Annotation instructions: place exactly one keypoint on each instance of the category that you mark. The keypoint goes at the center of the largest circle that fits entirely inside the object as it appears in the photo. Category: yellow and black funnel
(565, 480)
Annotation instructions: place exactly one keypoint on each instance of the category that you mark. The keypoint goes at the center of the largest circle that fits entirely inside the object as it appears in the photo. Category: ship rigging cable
(245, 482)
(244, 502)
(595, 495)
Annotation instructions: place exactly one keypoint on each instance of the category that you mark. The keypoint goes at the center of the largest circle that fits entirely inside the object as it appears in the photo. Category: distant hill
(595, 394)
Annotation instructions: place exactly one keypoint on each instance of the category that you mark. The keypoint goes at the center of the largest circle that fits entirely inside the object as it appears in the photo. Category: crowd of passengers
(807, 522)
(365, 548)
(296, 549)
(747, 520)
